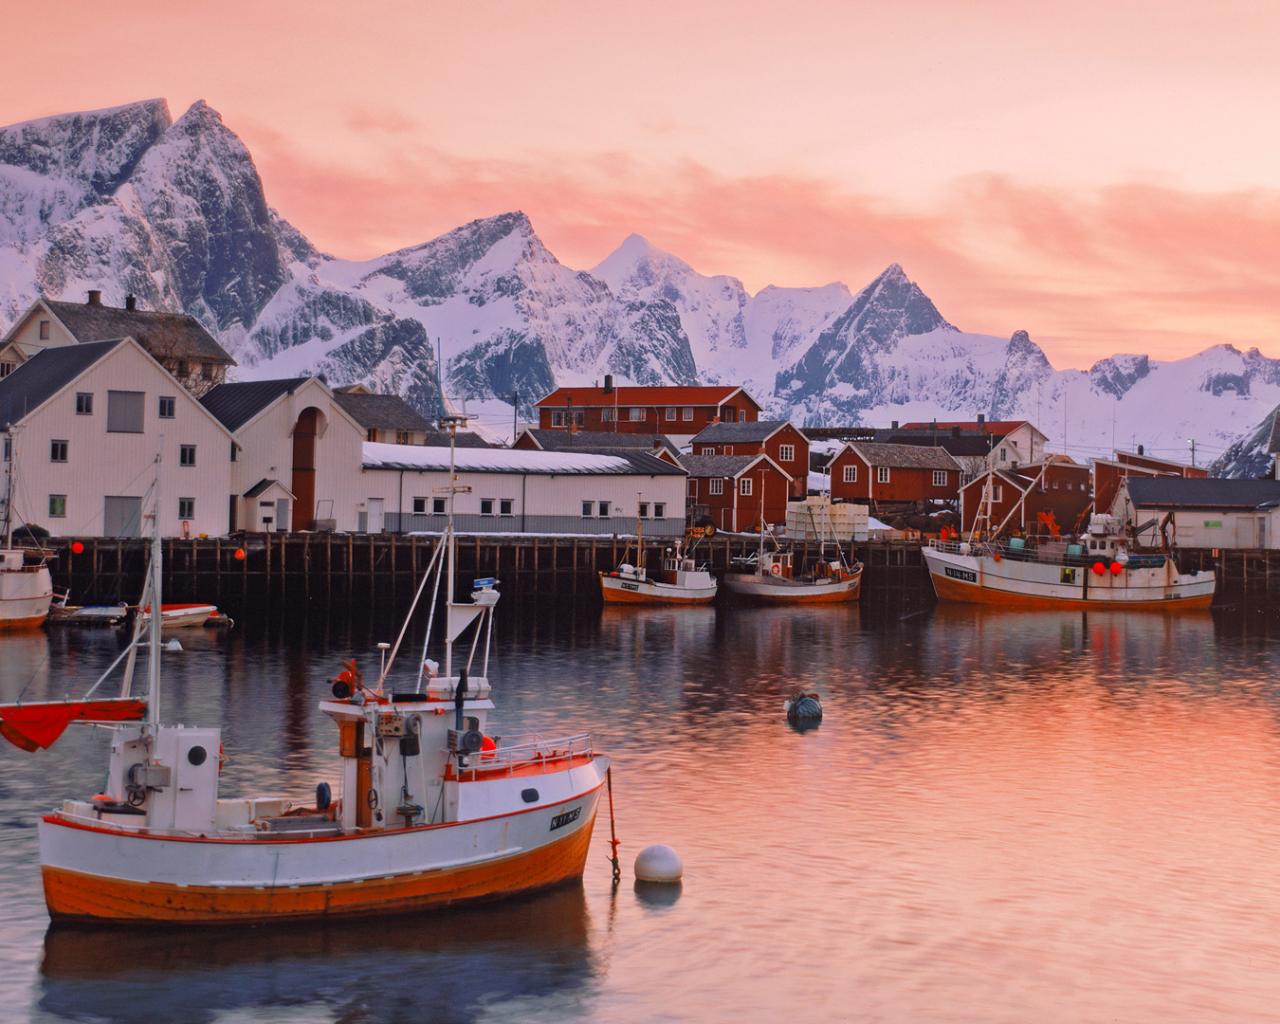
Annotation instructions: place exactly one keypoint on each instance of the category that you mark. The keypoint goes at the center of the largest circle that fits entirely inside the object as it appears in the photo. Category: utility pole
(515, 415)
(1191, 441)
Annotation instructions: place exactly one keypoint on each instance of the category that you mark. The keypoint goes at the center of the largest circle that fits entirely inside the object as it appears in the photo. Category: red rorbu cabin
(893, 474)
(779, 439)
(675, 410)
(728, 490)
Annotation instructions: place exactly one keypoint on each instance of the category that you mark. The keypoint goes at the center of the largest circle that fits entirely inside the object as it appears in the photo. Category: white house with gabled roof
(82, 425)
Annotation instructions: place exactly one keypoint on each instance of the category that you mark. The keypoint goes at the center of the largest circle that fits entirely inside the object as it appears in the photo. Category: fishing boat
(680, 581)
(770, 576)
(63, 613)
(26, 587)
(1099, 569)
(430, 807)
(185, 616)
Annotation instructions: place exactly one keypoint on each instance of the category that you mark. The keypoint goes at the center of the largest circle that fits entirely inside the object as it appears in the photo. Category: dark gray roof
(465, 439)
(903, 456)
(1208, 493)
(729, 433)
(716, 465)
(606, 441)
(45, 374)
(962, 444)
(381, 412)
(164, 335)
(262, 485)
(234, 405)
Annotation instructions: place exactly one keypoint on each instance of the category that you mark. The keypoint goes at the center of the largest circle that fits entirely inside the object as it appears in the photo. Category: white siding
(26, 334)
(267, 453)
(101, 463)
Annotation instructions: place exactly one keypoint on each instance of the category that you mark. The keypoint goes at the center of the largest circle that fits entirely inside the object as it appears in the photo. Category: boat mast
(760, 556)
(451, 424)
(9, 486)
(153, 695)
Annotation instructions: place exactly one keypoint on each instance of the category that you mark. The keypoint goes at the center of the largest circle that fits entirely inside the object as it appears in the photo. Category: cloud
(1137, 266)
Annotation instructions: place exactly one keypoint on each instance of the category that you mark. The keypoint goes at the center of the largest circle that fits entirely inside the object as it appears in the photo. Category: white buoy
(658, 863)
(173, 645)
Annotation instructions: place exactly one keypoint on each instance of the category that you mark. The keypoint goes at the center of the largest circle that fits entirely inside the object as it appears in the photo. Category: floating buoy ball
(804, 707)
(658, 863)
(1116, 568)
(239, 554)
(1099, 568)
(77, 548)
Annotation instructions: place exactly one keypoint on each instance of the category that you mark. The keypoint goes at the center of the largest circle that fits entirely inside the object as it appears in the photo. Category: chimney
(608, 383)
(95, 298)
(1141, 450)
(982, 419)
(130, 303)
(893, 425)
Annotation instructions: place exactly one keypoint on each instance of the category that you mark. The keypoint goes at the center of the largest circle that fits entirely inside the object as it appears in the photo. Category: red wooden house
(675, 410)
(1107, 473)
(729, 490)
(893, 474)
(1061, 493)
(779, 439)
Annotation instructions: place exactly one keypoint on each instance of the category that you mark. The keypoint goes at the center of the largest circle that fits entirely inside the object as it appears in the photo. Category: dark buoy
(804, 708)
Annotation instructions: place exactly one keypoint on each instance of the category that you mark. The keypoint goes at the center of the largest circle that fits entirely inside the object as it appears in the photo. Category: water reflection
(451, 967)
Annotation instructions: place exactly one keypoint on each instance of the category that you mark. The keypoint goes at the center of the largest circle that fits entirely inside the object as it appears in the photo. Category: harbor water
(1002, 817)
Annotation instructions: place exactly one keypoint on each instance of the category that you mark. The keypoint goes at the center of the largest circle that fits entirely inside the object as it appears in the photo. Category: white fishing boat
(429, 807)
(770, 577)
(681, 580)
(1100, 569)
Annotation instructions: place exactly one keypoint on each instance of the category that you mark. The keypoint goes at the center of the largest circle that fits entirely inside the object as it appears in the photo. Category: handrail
(979, 549)
(539, 752)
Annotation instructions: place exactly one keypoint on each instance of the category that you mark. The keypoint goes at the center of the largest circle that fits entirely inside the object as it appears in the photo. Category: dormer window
(44, 330)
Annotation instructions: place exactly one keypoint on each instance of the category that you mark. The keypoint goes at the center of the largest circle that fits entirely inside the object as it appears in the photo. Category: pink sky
(1104, 178)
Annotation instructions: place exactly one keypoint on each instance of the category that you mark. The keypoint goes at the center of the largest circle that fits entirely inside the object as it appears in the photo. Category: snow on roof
(378, 455)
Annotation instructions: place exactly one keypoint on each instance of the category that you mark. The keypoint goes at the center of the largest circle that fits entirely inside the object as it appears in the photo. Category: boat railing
(1059, 554)
(546, 754)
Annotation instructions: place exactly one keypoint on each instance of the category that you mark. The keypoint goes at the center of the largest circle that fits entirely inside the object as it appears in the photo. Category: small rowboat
(183, 616)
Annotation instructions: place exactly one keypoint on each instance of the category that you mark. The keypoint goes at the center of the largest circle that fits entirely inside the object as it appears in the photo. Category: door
(122, 517)
(375, 515)
(282, 514)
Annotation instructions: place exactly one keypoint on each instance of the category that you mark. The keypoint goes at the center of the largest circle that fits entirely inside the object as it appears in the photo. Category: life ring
(776, 569)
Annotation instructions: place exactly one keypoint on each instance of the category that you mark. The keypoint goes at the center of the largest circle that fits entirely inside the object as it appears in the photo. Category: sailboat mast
(153, 695)
(9, 487)
(451, 552)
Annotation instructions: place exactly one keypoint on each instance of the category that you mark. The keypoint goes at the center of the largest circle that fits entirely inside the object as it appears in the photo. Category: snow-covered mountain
(1250, 456)
(128, 200)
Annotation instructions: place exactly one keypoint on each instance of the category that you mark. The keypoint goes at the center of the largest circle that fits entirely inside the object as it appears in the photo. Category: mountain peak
(892, 274)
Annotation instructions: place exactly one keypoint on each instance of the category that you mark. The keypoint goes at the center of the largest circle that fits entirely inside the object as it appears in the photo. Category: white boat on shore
(26, 591)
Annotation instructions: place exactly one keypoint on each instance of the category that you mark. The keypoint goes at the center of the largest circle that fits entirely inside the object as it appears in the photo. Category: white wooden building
(82, 425)
(516, 491)
(1204, 512)
(298, 459)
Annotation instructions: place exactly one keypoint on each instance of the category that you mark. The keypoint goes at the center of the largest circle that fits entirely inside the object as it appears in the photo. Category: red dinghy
(38, 724)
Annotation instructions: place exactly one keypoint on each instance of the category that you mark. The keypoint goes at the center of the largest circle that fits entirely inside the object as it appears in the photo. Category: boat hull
(621, 590)
(1008, 583)
(25, 596)
(769, 590)
(104, 875)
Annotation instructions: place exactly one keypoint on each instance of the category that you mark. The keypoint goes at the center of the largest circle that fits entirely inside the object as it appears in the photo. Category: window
(787, 452)
(186, 508)
(939, 478)
(717, 486)
(437, 506)
(486, 506)
(186, 455)
(57, 506)
(234, 450)
(644, 510)
(686, 413)
(44, 330)
(744, 486)
(124, 412)
(606, 414)
(728, 449)
(707, 449)
(604, 510)
(419, 506)
(207, 371)
(851, 474)
(659, 509)
(882, 474)
(183, 369)
(57, 451)
(506, 506)
(403, 437)
(1003, 455)
(84, 403)
(557, 419)
(637, 414)
(168, 407)
(371, 434)
(997, 493)
(588, 508)
(671, 413)
(5, 370)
